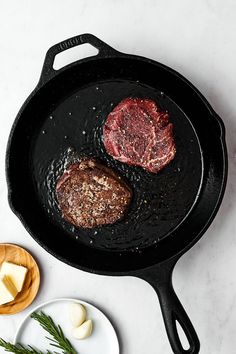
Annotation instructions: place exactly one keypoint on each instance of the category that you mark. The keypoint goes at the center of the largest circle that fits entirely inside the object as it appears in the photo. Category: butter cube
(8, 290)
(15, 272)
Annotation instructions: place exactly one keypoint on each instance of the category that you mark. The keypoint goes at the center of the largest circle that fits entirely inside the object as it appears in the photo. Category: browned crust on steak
(90, 194)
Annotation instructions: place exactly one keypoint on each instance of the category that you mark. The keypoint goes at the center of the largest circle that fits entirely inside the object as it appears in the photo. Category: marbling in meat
(138, 132)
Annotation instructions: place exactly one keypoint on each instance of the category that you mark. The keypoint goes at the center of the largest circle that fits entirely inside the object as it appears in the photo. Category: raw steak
(138, 133)
(90, 194)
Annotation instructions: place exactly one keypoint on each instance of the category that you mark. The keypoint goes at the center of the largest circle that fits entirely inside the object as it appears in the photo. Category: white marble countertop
(198, 39)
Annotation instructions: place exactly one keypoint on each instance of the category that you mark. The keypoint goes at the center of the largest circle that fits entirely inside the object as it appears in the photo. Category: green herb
(58, 339)
(19, 348)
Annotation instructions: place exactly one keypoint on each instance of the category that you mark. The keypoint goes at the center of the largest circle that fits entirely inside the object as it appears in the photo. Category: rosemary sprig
(58, 339)
(19, 348)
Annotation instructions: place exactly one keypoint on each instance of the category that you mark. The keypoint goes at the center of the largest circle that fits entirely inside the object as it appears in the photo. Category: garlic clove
(83, 331)
(77, 313)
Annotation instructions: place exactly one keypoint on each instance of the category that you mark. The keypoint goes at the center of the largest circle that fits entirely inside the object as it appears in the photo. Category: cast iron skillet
(62, 120)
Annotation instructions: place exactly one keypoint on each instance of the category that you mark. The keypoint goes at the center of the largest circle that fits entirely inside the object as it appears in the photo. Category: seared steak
(90, 194)
(138, 133)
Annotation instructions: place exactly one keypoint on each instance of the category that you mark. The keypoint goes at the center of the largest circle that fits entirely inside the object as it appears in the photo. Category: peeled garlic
(83, 331)
(77, 314)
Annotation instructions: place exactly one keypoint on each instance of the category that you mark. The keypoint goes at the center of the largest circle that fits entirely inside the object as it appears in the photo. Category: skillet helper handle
(104, 50)
(172, 309)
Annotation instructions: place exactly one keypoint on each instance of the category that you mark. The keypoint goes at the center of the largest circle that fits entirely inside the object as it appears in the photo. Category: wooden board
(15, 254)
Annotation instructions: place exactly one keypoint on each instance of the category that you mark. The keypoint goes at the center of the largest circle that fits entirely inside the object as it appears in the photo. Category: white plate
(102, 341)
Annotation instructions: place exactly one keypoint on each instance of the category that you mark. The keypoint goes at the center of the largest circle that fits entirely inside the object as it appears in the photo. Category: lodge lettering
(69, 43)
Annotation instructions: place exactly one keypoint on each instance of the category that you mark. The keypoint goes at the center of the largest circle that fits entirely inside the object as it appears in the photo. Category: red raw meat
(138, 133)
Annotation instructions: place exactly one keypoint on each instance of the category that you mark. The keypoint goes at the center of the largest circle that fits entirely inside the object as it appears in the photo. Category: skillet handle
(104, 50)
(172, 310)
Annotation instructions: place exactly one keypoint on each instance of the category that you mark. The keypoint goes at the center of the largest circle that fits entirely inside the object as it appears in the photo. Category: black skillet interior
(160, 201)
(63, 120)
